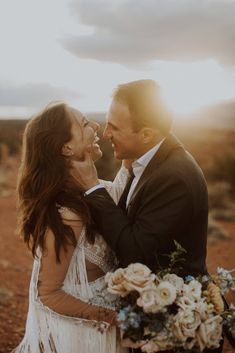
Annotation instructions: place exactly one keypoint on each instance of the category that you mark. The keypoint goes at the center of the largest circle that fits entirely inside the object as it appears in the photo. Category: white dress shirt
(139, 166)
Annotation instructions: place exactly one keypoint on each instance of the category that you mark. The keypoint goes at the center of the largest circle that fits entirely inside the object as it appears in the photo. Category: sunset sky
(80, 50)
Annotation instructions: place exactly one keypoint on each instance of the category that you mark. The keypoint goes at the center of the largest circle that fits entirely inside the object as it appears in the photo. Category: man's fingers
(84, 171)
(87, 157)
(86, 160)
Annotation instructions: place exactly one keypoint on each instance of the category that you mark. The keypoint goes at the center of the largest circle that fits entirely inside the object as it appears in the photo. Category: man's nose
(106, 133)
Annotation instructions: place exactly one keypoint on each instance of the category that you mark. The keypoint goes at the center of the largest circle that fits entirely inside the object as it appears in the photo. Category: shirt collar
(145, 159)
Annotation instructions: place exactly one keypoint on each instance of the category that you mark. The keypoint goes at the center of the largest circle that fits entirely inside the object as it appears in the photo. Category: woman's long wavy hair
(42, 182)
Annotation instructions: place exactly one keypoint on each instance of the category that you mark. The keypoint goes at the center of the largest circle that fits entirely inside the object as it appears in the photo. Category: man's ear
(147, 135)
(67, 151)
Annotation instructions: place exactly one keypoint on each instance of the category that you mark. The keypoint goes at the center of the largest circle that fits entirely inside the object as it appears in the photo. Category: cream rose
(165, 293)
(147, 301)
(193, 290)
(116, 282)
(186, 303)
(202, 308)
(150, 347)
(209, 333)
(175, 280)
(185, 324)
(138, 277)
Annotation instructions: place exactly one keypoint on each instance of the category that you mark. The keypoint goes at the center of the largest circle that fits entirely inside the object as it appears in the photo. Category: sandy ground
(15, 270)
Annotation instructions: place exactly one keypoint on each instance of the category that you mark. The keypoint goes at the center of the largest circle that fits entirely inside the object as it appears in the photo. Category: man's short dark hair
(145, 104)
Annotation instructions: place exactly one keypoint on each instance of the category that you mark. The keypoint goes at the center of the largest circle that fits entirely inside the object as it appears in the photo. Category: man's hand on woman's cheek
(84, 172)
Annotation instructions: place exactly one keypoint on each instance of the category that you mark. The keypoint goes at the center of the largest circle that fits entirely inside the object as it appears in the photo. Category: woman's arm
(51, 278)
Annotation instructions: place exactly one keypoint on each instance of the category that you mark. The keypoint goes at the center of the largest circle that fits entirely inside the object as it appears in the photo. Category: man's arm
(165, 205)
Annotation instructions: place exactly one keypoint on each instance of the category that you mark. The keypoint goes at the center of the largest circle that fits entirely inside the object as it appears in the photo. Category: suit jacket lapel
(170, 143)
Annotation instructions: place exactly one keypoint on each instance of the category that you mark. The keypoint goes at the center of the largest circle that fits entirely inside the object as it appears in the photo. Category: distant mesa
(221, 115)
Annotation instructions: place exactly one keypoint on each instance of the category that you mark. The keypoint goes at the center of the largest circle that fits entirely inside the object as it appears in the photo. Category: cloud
(135, 32)
(32, 94)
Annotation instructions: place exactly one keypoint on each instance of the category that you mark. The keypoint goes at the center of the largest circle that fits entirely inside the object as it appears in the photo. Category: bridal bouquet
(163, 311)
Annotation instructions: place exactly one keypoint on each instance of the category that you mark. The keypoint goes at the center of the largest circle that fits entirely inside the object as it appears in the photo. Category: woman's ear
(67, 151)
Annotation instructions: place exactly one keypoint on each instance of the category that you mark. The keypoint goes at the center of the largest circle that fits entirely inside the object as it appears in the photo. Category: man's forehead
(118, 112)
(118, 105)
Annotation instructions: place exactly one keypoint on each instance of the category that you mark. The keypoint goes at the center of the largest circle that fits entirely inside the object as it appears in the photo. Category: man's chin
(97, 154)
(117, 155)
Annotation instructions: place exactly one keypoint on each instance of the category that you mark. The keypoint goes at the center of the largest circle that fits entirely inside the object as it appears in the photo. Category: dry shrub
(223, 215)
(216, 231)
(3, 182)
(11, 133)
(219, 195)
(224, 169)
(4, 153)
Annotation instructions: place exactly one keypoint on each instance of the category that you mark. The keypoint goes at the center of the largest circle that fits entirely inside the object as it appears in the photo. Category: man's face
(125, 142)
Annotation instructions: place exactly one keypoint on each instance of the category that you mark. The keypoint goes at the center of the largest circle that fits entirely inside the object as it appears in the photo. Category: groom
(166, 198)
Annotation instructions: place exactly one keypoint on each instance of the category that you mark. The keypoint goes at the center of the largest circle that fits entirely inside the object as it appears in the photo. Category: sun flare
(187, 87)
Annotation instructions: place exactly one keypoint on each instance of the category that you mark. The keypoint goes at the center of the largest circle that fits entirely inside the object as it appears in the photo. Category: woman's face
(84, 137)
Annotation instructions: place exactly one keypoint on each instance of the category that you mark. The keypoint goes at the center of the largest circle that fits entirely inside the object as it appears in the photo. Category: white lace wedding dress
(50, 332)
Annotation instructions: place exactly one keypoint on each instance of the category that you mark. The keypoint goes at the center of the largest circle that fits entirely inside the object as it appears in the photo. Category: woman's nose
(95, 126)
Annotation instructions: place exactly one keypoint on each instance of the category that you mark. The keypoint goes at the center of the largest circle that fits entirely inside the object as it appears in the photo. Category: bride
(70, 309)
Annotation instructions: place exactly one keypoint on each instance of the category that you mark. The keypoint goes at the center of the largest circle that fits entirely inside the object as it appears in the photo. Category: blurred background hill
(221, 115)
(202, 133)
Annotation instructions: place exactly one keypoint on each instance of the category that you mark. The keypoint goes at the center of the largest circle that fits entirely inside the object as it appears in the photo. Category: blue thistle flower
(121, 316)
(189, 278)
